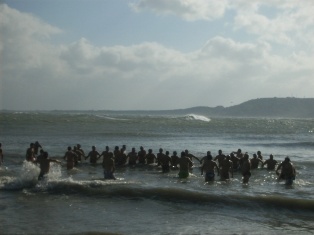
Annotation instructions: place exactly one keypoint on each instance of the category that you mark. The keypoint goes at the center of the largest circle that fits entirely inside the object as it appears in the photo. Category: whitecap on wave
(110, 118)
(197, 117)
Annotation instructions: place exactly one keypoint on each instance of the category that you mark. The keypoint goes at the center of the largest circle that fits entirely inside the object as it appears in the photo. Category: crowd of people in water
(223, 165)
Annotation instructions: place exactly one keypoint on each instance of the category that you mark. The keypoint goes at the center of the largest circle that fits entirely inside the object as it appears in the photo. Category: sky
(153, 54)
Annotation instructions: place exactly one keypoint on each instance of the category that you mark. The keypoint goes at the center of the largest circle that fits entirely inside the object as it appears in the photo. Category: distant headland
(289, 107)
(263, 107)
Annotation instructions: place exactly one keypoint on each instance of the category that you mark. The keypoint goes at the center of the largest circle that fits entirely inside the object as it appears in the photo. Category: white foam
(197, 117)
(111, 118)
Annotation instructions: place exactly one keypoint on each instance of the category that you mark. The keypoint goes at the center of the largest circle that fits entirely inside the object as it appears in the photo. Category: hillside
(262, 107)
(274, 107)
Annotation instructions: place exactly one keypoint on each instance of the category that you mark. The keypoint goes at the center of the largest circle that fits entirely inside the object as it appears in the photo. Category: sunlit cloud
(38, 73)
(189, 10)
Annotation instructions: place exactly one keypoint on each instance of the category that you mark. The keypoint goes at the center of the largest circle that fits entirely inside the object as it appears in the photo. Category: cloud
(23, 38)
(189, 10)
(288, 23)
(286, 26)
(37, 73)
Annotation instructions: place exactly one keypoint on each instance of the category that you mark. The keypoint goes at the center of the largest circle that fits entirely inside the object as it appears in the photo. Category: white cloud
(37, 74)
(23, 38)
(289, 23)
(189, 10)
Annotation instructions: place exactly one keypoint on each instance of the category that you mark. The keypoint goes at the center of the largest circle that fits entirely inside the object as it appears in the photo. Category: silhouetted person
(271, 163)
(208, 166)
(246, 168)
(44, 164)
(150, 157)
(185, 164)
(93, 155)
(288, 172)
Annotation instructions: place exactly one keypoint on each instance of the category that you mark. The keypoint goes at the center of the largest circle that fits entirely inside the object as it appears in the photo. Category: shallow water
(143, 200)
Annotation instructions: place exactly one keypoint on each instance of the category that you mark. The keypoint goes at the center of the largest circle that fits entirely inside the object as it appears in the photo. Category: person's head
(160, 150)
(254, 155)
(239, 151)
(141, 148)
(0, 145)
(41, 151)
(287, 159)
(93, 147)
(133, 150)
(107, 148)
(78, 146)
(150, 150)
(116, 148)
(186, 151)
(174, 153)
(220, 151)
(182, 154)
(167, 153)
(31, 145)
(208, 153)
(259, 153)
(232, 154)
(271, 156)
(69, 148)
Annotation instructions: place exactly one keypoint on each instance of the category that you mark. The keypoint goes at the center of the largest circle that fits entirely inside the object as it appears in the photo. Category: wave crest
(197, 117)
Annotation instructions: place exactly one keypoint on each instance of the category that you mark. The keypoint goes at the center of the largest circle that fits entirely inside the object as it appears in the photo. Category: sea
(143, 200)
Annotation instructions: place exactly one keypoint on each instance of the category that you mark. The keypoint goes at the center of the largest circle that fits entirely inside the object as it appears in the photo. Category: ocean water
(143, 200)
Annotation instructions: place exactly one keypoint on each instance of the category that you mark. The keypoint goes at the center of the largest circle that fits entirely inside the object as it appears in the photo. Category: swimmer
(208, 167)
(259, 155)
(120, 156)
(94, 155)
(123, 149)
(108, 164)
(41, 153)
(225, 168)
(255, 161)
(132, 157)
(246, 168)
(165, 162)
(30, 156)
(78, 155)
(220, 157)
(106, 154)
(160, 155)
(174, 160)
(271, 163)
(235, 161)
(70, 157)
(44, 164)
(185, 164)
(239, 153)
(288, 172)
(141, 155)
(150, 157)
(36, 147)
(80, 152)
(116, 151)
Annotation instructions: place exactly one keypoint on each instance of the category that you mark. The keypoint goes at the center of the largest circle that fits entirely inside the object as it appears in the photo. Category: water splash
(197, 117)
